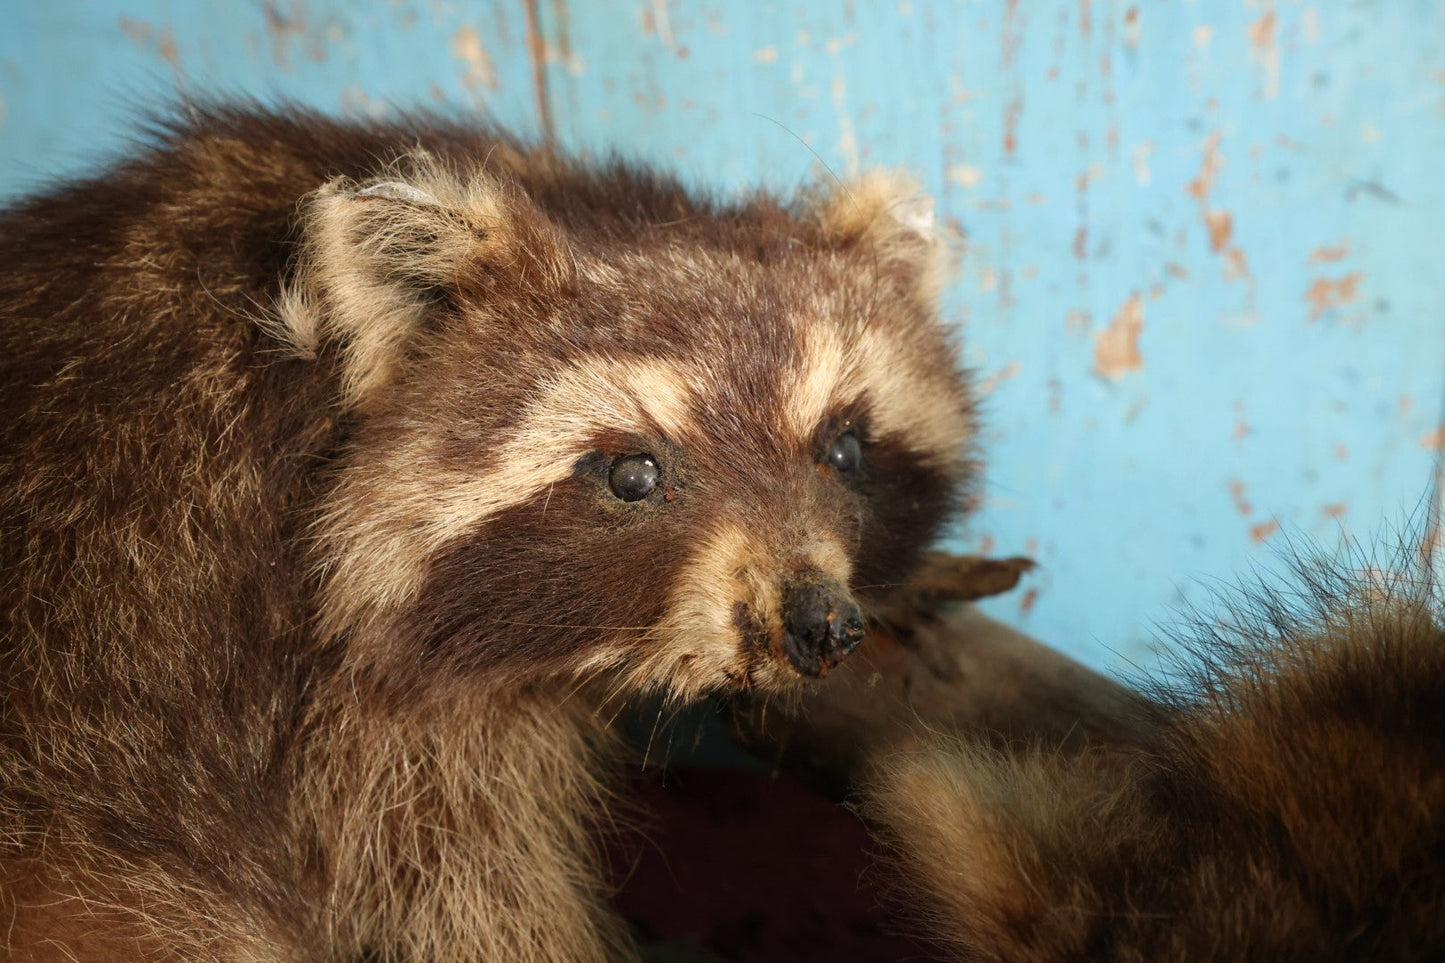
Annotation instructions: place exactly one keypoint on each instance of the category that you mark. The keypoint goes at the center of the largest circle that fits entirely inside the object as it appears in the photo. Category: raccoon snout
(821, 625)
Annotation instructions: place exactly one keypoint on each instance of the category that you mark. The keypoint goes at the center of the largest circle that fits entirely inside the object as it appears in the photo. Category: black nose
(820, 626)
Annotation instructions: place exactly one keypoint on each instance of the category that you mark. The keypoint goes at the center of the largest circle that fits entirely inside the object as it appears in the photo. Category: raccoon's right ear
(885, 214)
(382, 256)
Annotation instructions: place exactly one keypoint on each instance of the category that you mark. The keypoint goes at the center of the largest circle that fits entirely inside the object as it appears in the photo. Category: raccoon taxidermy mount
(344, 468)
(1290, 808)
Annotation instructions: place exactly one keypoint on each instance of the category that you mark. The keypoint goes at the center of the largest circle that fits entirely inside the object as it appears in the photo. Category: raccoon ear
(886, 213)
(383, 256)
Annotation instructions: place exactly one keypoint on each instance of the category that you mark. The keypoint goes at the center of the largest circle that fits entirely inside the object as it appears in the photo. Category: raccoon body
(1289, 807)
(346, 470)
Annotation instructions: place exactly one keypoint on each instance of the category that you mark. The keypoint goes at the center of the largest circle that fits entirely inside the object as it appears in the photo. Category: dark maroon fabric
(754, 868)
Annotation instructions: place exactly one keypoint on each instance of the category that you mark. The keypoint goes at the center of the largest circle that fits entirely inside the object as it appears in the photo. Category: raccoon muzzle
(821, 625)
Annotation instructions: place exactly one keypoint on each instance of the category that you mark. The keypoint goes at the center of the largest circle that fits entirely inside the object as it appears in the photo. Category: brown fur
(1293, 808)
(313, 581)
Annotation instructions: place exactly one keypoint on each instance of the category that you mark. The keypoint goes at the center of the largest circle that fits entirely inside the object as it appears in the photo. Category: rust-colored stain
(1264, 49)
(1241, 504)
(1241, 430)
(1433, 439)
(1210, 164)
(1012, 34)
(1221, 228)
(1342, 452)
(467, 47)
(1430, 545)
(1086, 22)
(1330, 253)
(990, 384)
(1334, 510)
(1236, 265)
(1263, 530)
(159, 39)
(1131, 28)
(1325, 294)
(1116, 350)
(1026, 604)
(985, 545)
(537, 50)
(288, 26)
(1012, 110)
(1219, 224)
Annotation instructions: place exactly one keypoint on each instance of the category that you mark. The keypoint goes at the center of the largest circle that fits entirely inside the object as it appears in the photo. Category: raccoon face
(683, 455)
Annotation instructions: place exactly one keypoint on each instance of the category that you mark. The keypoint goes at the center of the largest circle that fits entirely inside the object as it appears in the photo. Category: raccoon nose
(821, 625)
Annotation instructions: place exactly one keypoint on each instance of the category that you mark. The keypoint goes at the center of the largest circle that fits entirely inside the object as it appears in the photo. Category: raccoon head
(608, 428)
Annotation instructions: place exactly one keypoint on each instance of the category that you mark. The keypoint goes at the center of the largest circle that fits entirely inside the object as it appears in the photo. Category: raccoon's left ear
(382, 256)
(887, 214)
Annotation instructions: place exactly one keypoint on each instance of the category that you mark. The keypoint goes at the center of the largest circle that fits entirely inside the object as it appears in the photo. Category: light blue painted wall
(1248, 192)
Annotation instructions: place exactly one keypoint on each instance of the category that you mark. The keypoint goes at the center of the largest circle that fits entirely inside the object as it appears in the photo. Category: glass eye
(633, 477)
(845, 454)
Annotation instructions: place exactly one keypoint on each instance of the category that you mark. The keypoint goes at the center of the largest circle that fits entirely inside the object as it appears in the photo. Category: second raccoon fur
(1291, 808)
(315, 567)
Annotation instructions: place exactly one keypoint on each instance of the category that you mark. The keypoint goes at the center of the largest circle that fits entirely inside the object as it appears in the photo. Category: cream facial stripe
(906, 402)
(427, 505)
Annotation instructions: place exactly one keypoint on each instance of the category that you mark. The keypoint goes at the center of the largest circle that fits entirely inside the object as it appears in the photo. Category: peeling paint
(1264, 50)
(537, 51)
(1327, 294)
(159, 40)
(1263, 530)
(467, 47)
(1116, 351)
(1210, 163)
(1241, 503)
(1140, 158)
(293, 25)
(1330, 253)
(964, 175)
(1029, 599)
(847, 139)
(1221, 229)
(990, 384)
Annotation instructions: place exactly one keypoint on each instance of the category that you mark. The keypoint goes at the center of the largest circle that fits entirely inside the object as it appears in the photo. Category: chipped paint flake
(1263, 530)
(1328, 294)
(1434, 439)
(1264, 50)
(1241, 503)
(1221, 229)
(1330, 253)
(990, 384)
(965, 175)
(466, 46)
(159, 40)
(765, 55)
(1140, 158)
(1210, 163)
(1116, 351)
(847, 139)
